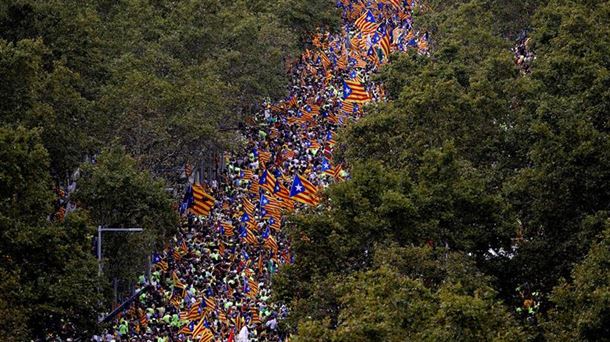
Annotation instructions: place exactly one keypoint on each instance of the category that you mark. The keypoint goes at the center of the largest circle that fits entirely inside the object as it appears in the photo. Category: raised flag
(303, 191)
(332, 118)
(202, 332)
(264, 201)
(385, 47)
(221, 248)
(248, 207)
(336, 172)
(210, 304)
(253, 288)
(203, 202)
(305, 116)
(254, 188)
(176, 255)
(313, 145)
(143, 320)
(163, 265)
(269, 204)
(283, 194)
(396, 3)
(264, 157)
(271, 244)
(342, 62)
(367, 23)
(175, 300)
(267, 181)
(228, 228)
(247, 174)
(293, 120)
(187, 329)
(222, 317)
(376, 38)
(275, 223)
(347, 107)
(423, 43)
(360, 63)
(330, 139)
(255, 317)
(325, 60)
(250, 237)
(177, 283)
(292, 102)
(239, 322)
(353, 91)
(312, 108)
(193, 314)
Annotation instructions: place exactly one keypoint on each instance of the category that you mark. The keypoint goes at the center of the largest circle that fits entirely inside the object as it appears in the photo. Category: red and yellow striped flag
(228, 227)
(203, 202)
(353, 91)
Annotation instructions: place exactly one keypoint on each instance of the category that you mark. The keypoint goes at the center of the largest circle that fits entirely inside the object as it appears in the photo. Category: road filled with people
(212, 281)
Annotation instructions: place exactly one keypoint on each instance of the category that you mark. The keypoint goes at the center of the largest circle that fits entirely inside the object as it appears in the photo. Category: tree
(49, 275)
(184, 75)
(422, 167)
(564, 182)
(445, 203)
(582, 304)
(46, 96)
(438, 296)
(509, 19)
(169, 81)
(117, 194)
(308, 17)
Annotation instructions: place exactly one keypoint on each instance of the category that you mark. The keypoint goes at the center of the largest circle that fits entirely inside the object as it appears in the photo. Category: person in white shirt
(243, 335)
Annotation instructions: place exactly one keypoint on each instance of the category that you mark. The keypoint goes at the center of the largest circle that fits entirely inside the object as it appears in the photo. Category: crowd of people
(212, 282)
(524, 56)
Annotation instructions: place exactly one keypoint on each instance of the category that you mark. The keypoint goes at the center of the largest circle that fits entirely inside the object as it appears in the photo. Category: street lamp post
(101, 229)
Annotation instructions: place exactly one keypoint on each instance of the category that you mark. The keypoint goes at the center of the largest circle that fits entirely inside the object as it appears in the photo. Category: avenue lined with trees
(477, 201)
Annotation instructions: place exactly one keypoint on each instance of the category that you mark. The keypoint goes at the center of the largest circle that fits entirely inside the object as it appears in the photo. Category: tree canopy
(169, 80)
(48, 272)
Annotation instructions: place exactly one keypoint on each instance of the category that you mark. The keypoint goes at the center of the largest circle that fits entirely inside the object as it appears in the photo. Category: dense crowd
(212, 282)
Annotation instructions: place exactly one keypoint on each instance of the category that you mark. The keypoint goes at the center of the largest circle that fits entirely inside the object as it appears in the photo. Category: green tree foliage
(48, 272)
(445, 203)
(36, 92)
(563, 184)
(509, 18)
(582, 306)
(414, 294)
(307, 17)
(116, 194)
(170, 80)
(183, 73)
